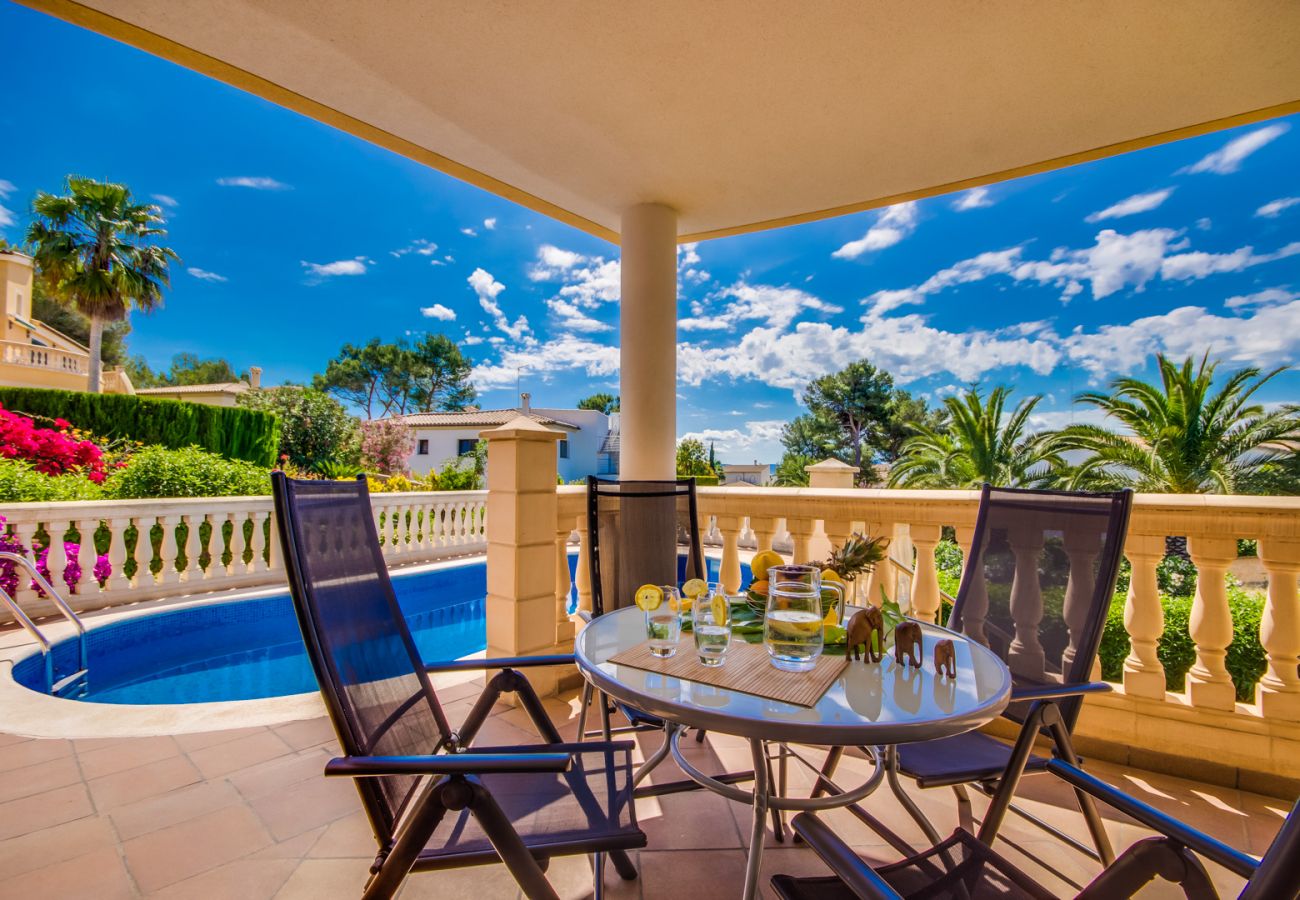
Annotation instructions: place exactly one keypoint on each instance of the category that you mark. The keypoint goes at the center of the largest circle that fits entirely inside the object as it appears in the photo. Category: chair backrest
(1039, 582)
(371, 676)
(635, 529)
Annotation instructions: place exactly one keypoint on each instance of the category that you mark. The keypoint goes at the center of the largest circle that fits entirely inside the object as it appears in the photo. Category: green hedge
(231, 432)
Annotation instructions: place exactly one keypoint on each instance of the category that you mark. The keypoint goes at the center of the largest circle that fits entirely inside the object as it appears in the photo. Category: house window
(465, 445)
(422, 447)
(564, 448)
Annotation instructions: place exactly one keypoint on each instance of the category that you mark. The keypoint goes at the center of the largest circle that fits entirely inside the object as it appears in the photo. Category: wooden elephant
(865, 624)
(907, 643)
(945, 659)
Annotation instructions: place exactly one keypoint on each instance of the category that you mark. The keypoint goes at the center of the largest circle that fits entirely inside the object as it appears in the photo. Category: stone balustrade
(158, 548)
(1202, 722)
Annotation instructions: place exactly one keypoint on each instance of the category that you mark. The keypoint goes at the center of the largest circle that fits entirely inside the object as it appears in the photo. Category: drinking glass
(662, 624)
(711, 622)
(792, 628)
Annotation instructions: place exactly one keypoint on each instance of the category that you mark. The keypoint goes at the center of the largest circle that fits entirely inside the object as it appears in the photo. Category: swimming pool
(252, 649)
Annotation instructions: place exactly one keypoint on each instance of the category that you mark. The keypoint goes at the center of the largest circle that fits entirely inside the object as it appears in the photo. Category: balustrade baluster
(193, 547)
(729, 571)
(764, 528)
(1208, 683)
(583, 570)
(257, 541)
(870, 591)
(168, 551)
(801, 532)
(57, 558)
(25, 534)
(118, 554)
(1278, 692)
(1144, 617)
(925, 586)
(236, 543)
(1081, 549)
(86, 556)
(1025, 655)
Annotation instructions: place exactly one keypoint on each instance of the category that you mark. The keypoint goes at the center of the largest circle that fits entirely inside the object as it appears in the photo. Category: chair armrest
(447, 764)
(566, 747)
(505, 662)
(1228, 857)
(839, 856)
(1057, 691)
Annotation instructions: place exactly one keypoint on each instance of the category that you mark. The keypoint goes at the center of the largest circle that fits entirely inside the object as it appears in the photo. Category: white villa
(589, 447)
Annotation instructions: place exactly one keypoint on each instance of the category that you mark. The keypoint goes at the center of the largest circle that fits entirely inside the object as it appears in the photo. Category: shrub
(315, 429)
(386, 444)
(50, 451)
(192, 472)
(246, 434)
(20, 483)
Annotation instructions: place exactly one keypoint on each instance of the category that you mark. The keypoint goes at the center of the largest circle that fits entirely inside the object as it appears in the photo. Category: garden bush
(191, 472)
(316, 432)
(20, 483)
(245, 434)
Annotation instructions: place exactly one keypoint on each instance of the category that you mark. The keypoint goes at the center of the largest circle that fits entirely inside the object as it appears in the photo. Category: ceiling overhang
(742, 116)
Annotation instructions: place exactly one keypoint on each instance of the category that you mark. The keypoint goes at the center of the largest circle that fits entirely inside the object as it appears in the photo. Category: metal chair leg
(891, 773)
(582, 710)
(778, 827)
(598, 876)
(965, 813)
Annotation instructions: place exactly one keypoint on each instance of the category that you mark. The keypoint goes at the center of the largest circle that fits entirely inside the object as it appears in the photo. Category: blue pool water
(250, 649)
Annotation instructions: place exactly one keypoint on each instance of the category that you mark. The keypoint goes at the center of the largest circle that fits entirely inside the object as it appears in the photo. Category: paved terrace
(246, 814)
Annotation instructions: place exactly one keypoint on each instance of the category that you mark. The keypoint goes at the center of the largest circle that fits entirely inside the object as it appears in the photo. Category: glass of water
(711, 622)
(792, 628)
(662, 624)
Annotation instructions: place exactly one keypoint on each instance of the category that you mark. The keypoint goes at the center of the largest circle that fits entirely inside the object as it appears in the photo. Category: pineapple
(858, 555)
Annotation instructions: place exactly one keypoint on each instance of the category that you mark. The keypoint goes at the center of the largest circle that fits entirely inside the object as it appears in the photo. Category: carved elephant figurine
(945, 659)
(864, 624)
(907, 643)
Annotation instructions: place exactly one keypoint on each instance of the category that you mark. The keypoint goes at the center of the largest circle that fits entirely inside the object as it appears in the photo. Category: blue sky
(296, 238)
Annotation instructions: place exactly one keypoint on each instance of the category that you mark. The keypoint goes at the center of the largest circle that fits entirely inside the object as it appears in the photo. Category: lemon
(832, 575)
(834, 634)
(721, 609)
(794, 624)
(832, 616)
(649, 597)
(763, 561)
(694, 588)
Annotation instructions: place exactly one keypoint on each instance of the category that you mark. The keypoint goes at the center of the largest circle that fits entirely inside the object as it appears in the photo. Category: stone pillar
(1144, 618)
(521, 556)
(1278, 691)
(831, 473)
(925, 586)
(648, 343)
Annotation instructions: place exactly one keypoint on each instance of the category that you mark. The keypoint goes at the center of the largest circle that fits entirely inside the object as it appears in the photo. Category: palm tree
(95, 249)
(1184, 436)
(980, 443)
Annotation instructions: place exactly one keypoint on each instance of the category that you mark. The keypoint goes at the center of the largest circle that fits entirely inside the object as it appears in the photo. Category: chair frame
(456, 771)
(1173, 855)
(1053, 708)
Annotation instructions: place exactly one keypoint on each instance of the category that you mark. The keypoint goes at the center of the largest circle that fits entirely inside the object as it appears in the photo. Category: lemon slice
(694, 588)
(649, 597)
(721, 609)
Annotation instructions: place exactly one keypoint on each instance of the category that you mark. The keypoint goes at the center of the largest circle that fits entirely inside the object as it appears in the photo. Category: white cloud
(775, 306)
(166, 200)
(419, 246)
(1114, 262)
(1275, 208)
(975, 198)
(257, 183)
(1055, 420)
(490, 224)
(354, 266)
(1228, 158)
(735, 440)
(205, 275)
(1138, 203)
(487, 290)
(469, 231)
(894, 224)
(1197, 265)
(552, 260)
(977, 268)
(566, 353)
(438, 311)
(1204, 223)
(572, 318)
(6, 215)
(588, 281)
(1267, 297)
(471, 340)
(1268, 337)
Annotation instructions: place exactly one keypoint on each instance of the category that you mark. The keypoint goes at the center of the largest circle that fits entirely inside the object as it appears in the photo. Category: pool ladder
(71, 686)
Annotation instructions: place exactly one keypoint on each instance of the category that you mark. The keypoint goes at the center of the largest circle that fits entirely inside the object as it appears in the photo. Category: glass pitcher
(792, 628)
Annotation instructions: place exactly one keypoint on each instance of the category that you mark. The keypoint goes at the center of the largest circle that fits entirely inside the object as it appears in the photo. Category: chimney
(525, 403)
(254, 377)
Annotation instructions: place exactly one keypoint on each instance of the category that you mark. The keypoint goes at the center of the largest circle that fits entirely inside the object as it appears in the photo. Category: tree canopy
(186, 368)
(601, 402)
(315, 429)
(693, 459)
(400, 378)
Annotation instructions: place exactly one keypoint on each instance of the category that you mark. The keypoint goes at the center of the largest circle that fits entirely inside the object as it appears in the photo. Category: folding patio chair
(641, 532)
(963, 867)
(433, 798)
(1036, 590)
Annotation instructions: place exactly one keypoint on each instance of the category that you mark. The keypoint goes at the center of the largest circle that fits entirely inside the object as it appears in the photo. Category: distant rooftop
(475, 418)
(223, 387)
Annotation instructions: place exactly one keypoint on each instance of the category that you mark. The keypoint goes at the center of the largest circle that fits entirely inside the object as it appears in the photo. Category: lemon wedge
(694, 588)
(721, 609)
(649, 597)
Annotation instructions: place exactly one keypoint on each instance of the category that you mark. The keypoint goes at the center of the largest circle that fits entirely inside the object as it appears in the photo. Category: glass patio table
(869, 705)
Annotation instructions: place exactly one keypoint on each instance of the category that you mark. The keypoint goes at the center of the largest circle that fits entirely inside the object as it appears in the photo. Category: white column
(648, 343)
